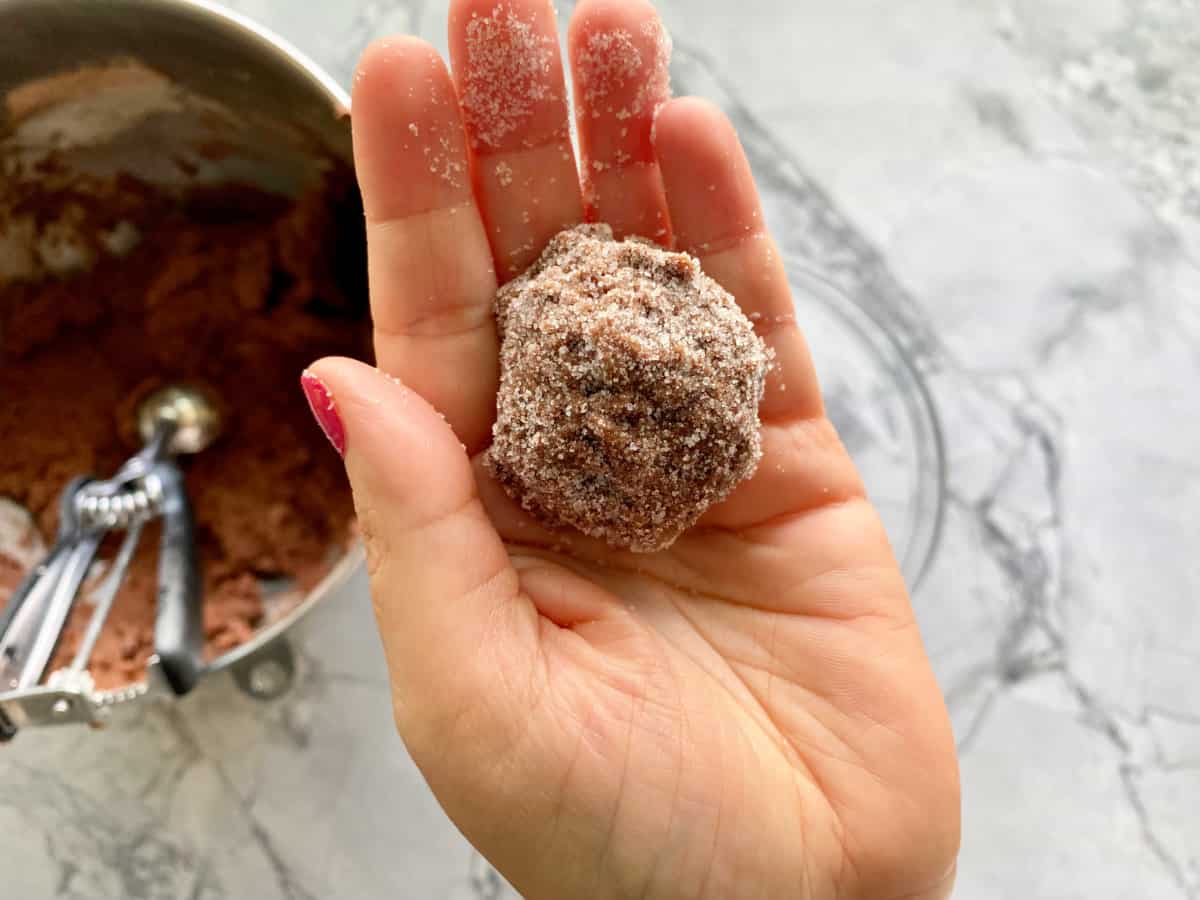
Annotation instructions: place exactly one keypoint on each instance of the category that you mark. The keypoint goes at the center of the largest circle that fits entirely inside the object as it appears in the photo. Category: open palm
(748, 714)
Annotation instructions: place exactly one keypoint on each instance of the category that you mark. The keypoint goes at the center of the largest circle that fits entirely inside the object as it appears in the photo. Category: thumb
(446, 597)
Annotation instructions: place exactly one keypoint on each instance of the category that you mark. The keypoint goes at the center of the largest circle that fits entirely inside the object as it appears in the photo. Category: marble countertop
(1013, 187)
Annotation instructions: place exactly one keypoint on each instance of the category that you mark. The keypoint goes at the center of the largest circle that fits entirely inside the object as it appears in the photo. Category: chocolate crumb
(629, 389)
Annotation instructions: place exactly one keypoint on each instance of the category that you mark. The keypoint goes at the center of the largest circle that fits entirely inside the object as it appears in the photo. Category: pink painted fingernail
(320, 401)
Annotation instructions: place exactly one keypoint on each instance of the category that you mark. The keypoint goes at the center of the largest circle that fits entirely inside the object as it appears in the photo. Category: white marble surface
(1014, 187)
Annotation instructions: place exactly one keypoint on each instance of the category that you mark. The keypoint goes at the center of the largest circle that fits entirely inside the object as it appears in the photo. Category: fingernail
(320, 401)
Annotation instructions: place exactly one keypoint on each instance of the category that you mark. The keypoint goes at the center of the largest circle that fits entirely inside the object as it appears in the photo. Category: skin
(748, 714)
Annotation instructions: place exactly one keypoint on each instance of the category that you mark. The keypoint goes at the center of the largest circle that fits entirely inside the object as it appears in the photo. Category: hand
(748, 714)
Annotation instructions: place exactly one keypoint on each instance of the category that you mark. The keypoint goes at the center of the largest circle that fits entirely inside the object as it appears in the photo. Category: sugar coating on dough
(629, 389)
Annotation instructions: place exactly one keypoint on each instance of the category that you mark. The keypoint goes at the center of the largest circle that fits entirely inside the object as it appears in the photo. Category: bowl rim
(931, 491)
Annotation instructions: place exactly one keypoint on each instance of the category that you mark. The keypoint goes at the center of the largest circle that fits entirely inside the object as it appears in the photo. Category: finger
(619, 57)
(510, 80)
(430, 266)
(446, 596)
(716, 214)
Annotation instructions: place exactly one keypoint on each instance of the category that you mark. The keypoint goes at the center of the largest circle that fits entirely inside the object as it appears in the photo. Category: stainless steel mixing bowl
(150, 87)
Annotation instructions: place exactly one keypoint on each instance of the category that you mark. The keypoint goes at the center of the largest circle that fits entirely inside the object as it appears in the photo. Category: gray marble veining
(1013, 188)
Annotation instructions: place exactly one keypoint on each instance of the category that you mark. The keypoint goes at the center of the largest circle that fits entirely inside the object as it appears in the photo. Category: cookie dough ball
(629, 389)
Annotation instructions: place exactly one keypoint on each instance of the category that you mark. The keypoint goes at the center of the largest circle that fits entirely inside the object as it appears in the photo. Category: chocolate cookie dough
(629, 389)
(229, 287)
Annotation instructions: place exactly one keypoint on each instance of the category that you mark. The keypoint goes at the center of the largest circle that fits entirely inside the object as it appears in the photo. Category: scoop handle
(179, 626)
